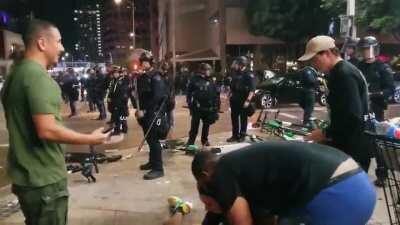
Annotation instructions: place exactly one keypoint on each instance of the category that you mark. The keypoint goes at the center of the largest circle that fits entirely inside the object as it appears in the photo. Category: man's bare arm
(48, 129)
(240, 214)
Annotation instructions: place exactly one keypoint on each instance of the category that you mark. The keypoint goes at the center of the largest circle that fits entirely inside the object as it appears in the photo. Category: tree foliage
(377, 15)
(288, 20)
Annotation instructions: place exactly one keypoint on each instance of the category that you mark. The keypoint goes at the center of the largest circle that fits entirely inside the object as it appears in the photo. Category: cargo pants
(47, 205)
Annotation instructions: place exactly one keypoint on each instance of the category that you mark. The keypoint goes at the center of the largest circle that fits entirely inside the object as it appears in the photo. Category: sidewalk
(122, 197)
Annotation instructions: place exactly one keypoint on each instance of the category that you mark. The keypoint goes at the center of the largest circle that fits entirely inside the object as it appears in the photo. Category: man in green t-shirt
(32, 103)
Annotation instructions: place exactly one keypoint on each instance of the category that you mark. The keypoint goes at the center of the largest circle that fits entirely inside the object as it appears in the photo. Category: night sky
(59, 12)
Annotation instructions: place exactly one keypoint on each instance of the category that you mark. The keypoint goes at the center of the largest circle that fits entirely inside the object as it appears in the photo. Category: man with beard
(32, 105)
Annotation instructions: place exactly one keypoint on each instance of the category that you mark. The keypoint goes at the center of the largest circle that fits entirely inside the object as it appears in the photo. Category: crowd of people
(322, 183)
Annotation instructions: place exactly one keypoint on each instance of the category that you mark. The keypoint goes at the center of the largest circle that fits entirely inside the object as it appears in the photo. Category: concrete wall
(191, 26)
(193, 29)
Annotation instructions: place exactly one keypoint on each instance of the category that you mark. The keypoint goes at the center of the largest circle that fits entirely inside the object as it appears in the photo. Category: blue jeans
(349, 202)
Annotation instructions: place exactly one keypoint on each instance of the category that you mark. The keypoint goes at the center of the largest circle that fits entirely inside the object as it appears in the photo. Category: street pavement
(122, 197)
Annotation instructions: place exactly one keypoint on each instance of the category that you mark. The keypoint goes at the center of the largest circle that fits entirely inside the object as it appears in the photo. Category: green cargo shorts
(47, 205)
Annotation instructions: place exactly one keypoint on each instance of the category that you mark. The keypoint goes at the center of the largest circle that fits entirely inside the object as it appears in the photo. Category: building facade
(119, 38)
(88, 21)
(206, 30)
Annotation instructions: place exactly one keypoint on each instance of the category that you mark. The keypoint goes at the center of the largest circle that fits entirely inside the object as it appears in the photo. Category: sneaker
(153, 174)
(146, 166)
(232, 139)
(176, 204)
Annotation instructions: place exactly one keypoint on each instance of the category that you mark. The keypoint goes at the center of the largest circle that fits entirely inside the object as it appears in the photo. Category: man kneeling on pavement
(316, 184)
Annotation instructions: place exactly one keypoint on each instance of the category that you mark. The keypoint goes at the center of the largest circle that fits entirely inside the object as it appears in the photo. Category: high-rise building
(118, 35)
(88, 20)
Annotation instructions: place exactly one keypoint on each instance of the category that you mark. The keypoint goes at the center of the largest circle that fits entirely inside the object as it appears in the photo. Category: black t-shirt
(274, 176)
(348, 104)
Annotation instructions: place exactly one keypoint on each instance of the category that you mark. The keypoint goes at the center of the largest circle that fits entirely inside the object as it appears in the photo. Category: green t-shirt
(29, 91)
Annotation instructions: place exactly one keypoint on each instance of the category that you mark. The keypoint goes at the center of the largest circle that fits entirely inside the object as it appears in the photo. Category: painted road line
(288, 115)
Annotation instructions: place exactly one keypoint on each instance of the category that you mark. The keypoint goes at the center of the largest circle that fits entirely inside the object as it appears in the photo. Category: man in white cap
(347, 100)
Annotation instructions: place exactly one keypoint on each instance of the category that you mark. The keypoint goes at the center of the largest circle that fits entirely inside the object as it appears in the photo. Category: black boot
(232, 139)
(146, 166)
(153, 174)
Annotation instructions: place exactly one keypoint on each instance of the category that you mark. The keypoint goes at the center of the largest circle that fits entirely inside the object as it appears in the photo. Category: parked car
(285, 89)
(396, 96)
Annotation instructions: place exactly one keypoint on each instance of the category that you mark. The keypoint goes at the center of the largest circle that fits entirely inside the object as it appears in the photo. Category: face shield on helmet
(368, 48)
(235, 65)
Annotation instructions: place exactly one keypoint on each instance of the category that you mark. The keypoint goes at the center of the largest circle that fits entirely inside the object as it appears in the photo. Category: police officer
(203, 101)
(242, 91)
(351, 53)
(152, 91)
(100, 89)
(118, 95)
(379, 76)
(90, 82)
(309, 84)
(71, 88)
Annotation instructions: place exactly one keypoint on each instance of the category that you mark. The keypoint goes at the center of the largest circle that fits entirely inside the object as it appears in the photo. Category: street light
(118, 2)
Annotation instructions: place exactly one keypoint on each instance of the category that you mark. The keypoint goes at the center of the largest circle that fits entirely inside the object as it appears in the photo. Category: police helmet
(146, 56)
(234, 63)
(352, 43)
(205, 67)
(242, 61)
(369, 42)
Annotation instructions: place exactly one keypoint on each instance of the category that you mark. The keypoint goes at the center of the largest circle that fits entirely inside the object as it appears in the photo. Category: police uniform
(119, 104)
(152, 91)
(204, 102)
(242, 84)
(70, 87)
(379, 77)
(309, 83)
(100, 87)
(90, 83)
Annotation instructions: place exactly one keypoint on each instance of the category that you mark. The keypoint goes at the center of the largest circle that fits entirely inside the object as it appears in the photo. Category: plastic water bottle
(393, 132)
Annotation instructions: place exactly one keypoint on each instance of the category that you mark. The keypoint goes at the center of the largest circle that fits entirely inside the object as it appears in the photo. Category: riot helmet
(205, 69)
(242, 61)
(146, 59)
(146, 56)
(368, 47)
